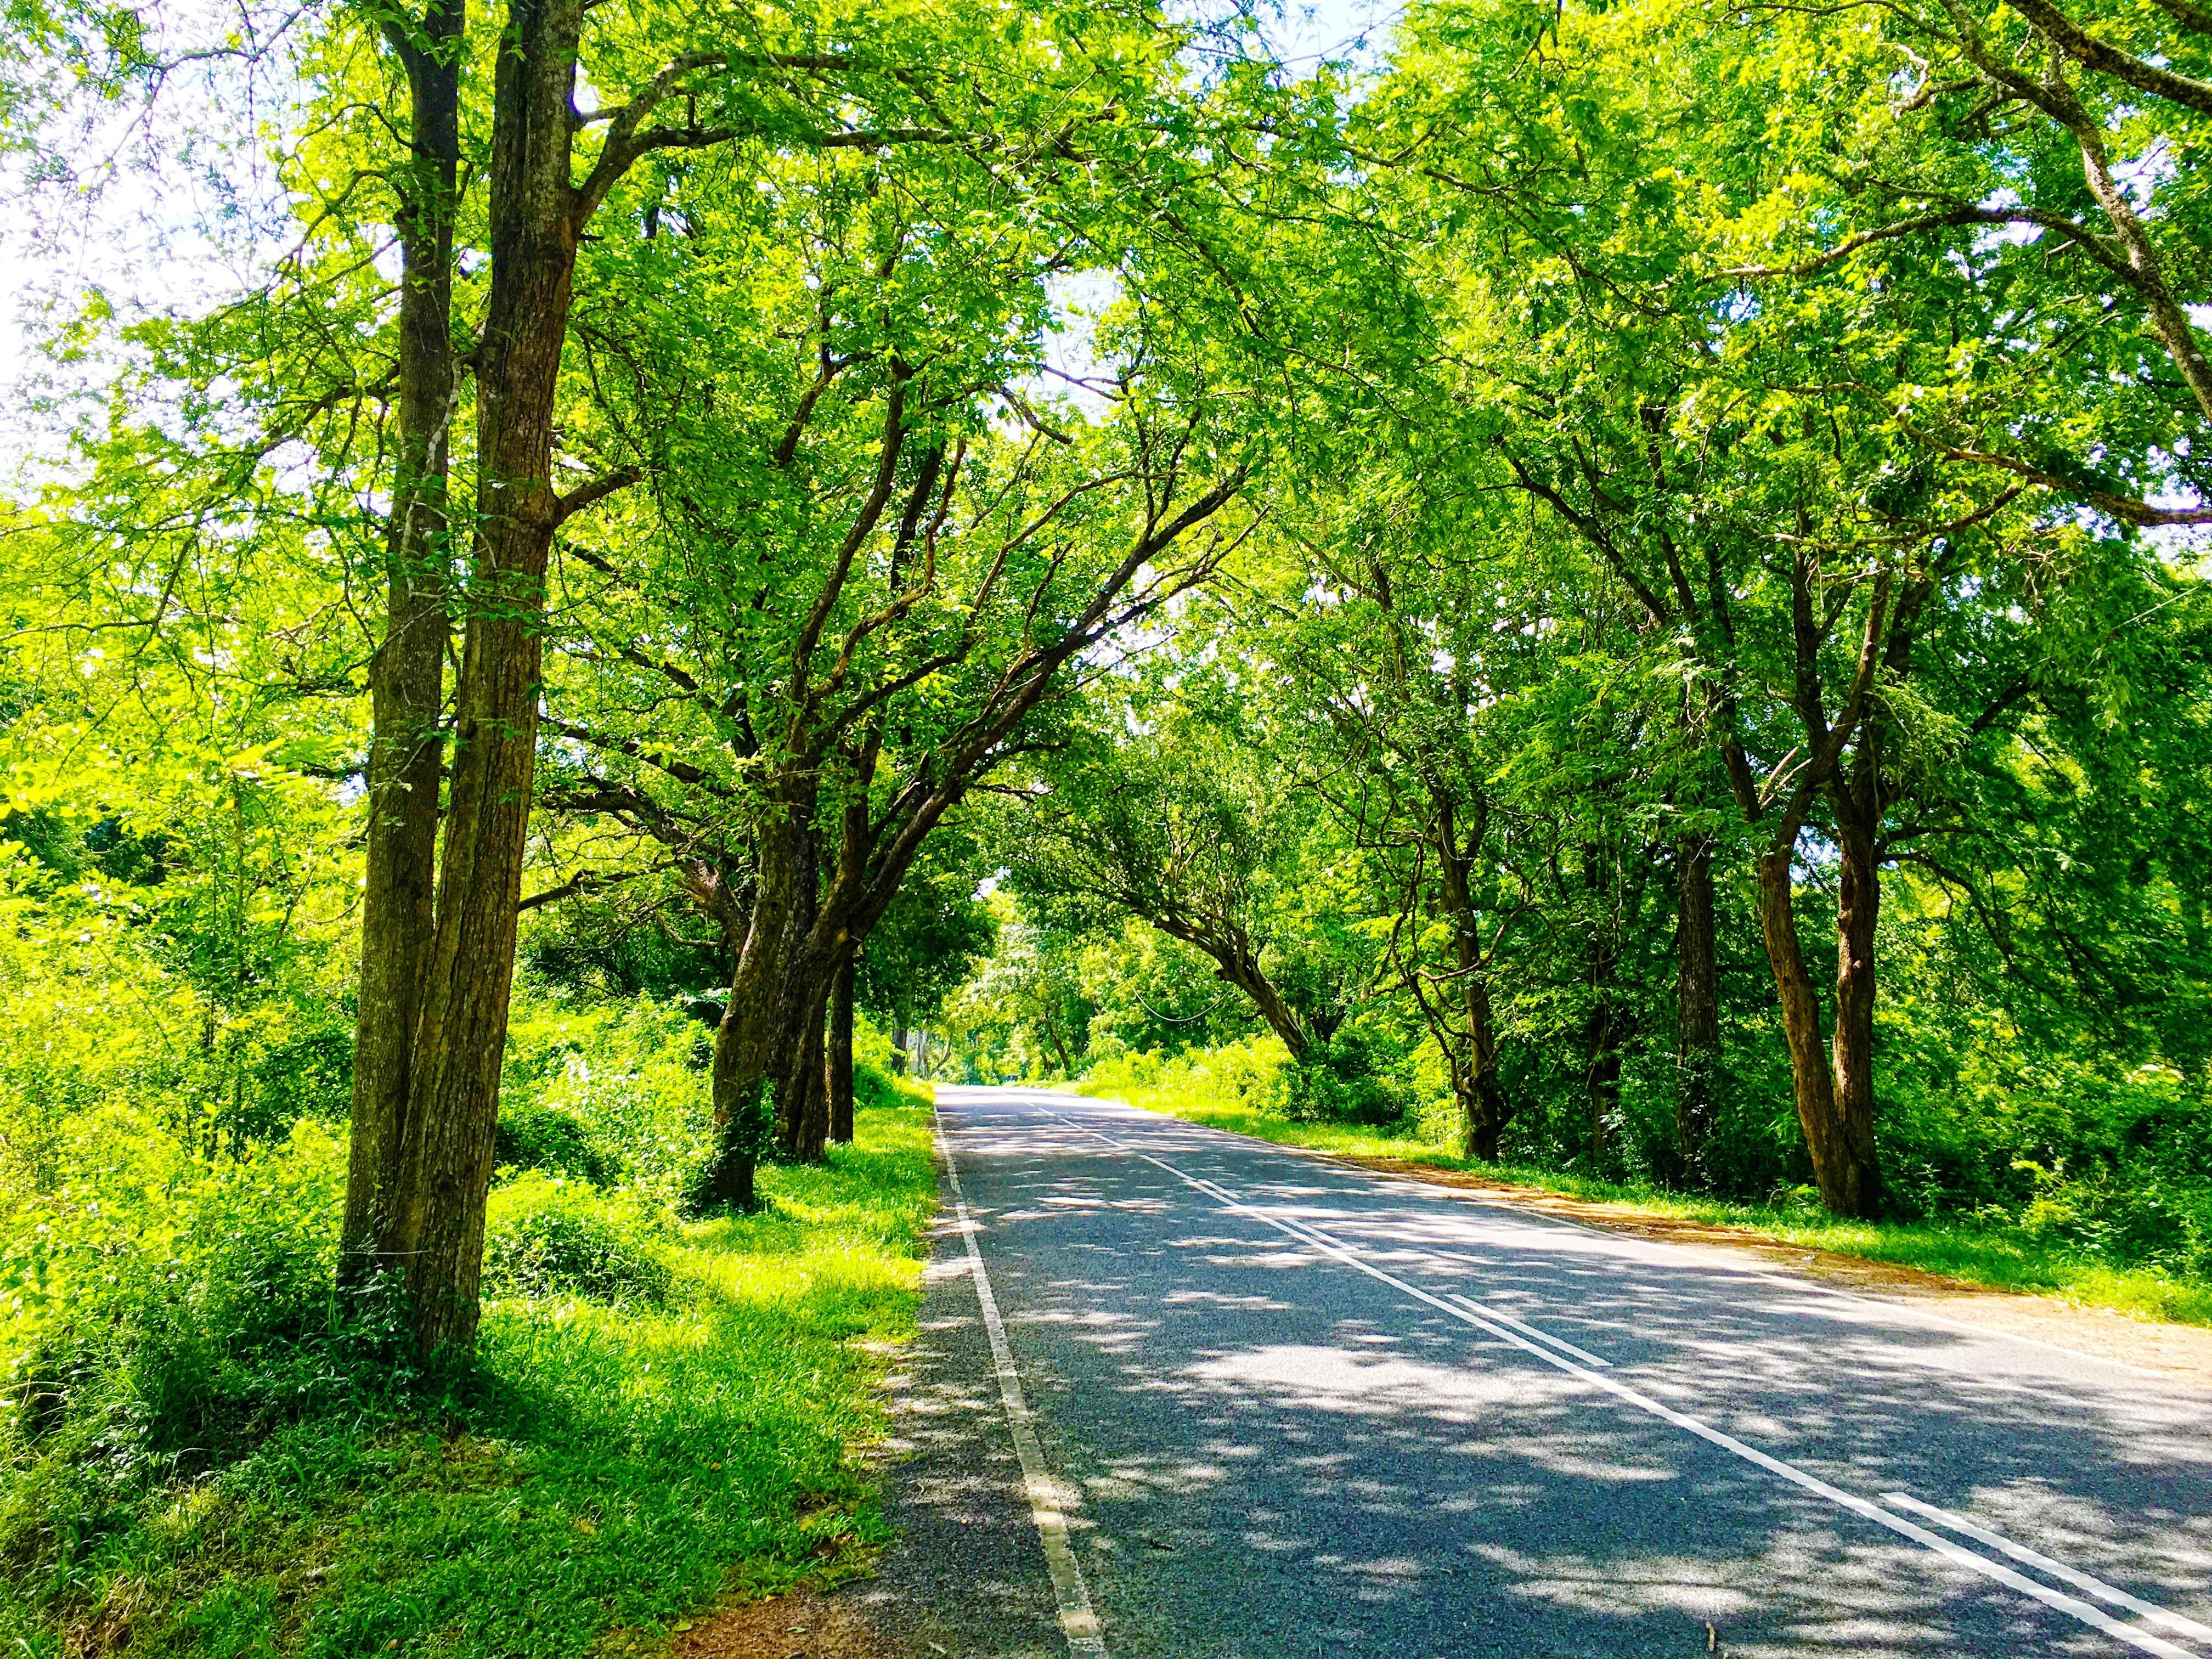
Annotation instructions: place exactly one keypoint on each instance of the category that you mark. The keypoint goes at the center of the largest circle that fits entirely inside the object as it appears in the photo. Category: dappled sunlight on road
(1272, 1452)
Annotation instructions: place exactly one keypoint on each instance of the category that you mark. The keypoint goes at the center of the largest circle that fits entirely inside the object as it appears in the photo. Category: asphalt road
(1272, 1406)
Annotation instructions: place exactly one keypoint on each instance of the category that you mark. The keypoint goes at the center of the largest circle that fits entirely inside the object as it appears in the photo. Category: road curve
(1180, 1393)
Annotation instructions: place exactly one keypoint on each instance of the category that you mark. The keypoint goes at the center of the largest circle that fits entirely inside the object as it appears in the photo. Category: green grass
(613, 1472)
(2001, 1257)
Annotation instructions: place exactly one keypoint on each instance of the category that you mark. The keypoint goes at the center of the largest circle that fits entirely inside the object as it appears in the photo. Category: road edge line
(1078, 1622)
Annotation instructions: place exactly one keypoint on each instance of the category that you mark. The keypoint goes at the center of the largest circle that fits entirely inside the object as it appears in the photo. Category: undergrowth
(206, 1459)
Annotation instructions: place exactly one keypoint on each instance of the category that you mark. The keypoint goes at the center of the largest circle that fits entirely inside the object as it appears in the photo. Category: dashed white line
(1076, 1620)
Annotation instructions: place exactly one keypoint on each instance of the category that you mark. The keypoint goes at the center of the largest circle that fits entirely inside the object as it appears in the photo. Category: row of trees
(1764, 491)
(1546, 507)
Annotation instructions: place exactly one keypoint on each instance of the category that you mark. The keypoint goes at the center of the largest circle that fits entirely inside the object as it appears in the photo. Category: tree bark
(839, 1079)
(761, 1031)
(1481, 1098)
(1858, 906)
(1841, 1168)
(1474, 1069)
(808, 1120)
(461, 1036)
(1697, 990)
(899, 1058)
(1235, 964)
(407, 676)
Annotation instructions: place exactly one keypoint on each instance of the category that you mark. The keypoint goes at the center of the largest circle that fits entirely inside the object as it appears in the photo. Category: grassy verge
(614, 1469)
(2003, 1258)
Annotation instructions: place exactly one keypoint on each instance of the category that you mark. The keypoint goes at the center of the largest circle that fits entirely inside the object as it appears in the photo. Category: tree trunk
(407, 676)
(839, 1079)
(1846, 1183)
(1243, 971)
(1474, 1067)
(461, 1037)
(1696, 987)
(761, 1031)
(1858, 906)
(1602, 1027)
(808, 1119)
(899, 1035)
(1484, 1102)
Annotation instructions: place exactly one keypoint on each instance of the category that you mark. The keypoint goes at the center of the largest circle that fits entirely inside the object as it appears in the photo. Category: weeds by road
(619, 1461)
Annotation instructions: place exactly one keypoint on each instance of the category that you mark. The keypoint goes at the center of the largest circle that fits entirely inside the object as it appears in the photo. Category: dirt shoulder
(2179, 1354)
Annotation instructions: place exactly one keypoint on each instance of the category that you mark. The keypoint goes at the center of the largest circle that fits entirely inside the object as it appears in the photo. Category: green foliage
(607, 1091)
(1343, 1080)
(876, 1082)
(160, 1322)
(535, 1137)
(607, 1465)
(546, 1236)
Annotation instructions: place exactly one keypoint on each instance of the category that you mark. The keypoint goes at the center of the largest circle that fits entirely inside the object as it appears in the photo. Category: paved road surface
(1270, 1405)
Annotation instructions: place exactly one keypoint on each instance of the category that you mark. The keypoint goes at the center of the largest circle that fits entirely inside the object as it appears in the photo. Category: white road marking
(1560, 1343)
(2096, 1618)
(2057, 1569)
(1076, 1621)
(1432, 1189)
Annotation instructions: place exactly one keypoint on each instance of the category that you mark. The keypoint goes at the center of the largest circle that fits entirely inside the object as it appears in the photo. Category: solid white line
(2094, 1617)
(1562, 1345)
(1299, 1227)
(1076, 1621)
(2035, 1558)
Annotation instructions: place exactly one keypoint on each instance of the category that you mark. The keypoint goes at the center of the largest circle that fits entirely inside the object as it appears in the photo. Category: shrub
(171, 1325)
(536, 1137)
(623, 1076)
(875, 1082)
(1340, 1081)
(550, 1236)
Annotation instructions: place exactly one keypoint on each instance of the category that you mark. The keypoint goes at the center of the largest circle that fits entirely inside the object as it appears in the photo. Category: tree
(1168, 809)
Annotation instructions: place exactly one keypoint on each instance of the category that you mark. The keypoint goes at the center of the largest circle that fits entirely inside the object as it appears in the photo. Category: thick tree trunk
(839, 1081)
(1846, 1180)
(1696, 987)
(1480, 1097)
(461, 1036)
(899, 1039)
(756, 1044)
(804, 1131)
(407, 676)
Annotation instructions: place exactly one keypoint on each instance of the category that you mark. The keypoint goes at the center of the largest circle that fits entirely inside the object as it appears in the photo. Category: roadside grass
(2003, 1258)
(608, 1471)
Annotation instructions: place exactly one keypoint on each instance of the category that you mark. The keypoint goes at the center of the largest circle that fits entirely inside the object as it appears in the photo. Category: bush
(535, 1137)
(875, 1081)
(550, 1236)
(608, 1093)
(172, 1325)
(1340, 1081)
